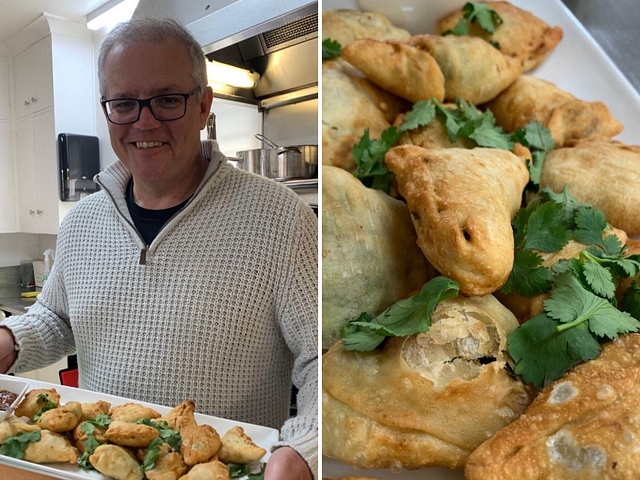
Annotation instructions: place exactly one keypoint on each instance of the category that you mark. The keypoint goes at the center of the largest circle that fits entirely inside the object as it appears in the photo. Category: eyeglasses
(171, 106)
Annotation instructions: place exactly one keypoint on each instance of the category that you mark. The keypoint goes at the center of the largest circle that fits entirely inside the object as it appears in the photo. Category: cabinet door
(8, 214)
(46, 172)
(5, 105)
(25, 165)
(34, 78)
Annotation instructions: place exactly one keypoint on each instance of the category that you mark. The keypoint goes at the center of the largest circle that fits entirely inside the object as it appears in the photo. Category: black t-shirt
(149, 222)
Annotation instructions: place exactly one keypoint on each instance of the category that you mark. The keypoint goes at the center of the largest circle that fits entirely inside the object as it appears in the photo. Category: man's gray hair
(156, 30)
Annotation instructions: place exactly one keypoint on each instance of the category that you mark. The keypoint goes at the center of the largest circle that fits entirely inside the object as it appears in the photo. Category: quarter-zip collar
(115, 178)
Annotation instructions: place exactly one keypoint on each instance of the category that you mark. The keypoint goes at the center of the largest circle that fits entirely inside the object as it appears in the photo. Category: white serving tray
(264, 437)
(579, 66)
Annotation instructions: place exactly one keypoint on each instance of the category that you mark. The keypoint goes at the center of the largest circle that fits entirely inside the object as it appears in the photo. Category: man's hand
(8, 353)
(285, 464)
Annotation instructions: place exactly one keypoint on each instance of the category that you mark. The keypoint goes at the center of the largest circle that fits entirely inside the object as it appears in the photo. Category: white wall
(15, 247)
(295, 124)
(236, 125)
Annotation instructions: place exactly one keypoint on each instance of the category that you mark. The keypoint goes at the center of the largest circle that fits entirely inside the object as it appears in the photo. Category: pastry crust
(522, 35)
(414, 402)
(567, 117)
(584, 426)
(347, 26)
(602, 172)
(462, 202)
(370, 258)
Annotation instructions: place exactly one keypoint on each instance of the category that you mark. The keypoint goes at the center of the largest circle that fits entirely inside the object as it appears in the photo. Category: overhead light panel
(229, 75)
(111, 13)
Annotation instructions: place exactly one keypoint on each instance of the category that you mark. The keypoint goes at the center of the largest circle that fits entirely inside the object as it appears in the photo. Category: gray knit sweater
(223, 310)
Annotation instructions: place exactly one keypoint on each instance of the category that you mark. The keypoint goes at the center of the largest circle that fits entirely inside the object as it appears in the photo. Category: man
(184, 277)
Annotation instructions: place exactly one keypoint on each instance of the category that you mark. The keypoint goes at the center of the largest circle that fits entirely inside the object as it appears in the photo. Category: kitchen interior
(54, 138)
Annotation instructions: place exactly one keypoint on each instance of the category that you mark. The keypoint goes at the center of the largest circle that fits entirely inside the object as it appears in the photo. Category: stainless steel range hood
(279, 40)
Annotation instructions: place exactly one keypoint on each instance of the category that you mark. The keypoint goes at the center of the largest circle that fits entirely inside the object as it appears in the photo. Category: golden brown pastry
(181, 416)
(584, 426)
(602, 172)
(346, 26)
(567, 117)
(61, 419)
(424, 400)
(399, 68)
(116, 462)
(370, 258)
(51, 448)
(168, 466)
(14, 425)
(132, 412)
(199, 443)
(473, 69)
(91, 410)
(237, 447)
(130, 434)
(79, 437)
(32, 401)
(214, 470)
(350, 104)
(522, 35)
(462, 202)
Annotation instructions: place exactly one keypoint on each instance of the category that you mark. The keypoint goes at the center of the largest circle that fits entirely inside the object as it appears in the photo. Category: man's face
(142, 71)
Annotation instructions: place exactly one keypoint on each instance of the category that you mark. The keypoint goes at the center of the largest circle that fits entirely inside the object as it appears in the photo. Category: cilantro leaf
(330, 48)
(535, 135)
(43, 399)
(369, 157)
(528, 277)
(572, 304)
(153, 453)
(568, 202)
(546, 230)
(590, 225)
(487, 134)
(631, 300)
(237, 470)
(403, 318)
(487, 18)
(542, 353)
(599, 279)
(422, 114)
(15, 446)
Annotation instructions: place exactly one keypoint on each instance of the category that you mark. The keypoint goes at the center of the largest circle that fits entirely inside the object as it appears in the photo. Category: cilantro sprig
(237, 470)
(88, 427)
(330, 49)
(581, 311)
(15, 446)
(537, 138)
(43, 399)
(167, 435)
(479, 13)
(369, 156)
(405, 317)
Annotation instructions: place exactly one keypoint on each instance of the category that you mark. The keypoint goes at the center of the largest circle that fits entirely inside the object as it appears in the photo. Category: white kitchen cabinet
(33, 86)
(5, 104)
(37, 173)
(53, 69)
(8, 211)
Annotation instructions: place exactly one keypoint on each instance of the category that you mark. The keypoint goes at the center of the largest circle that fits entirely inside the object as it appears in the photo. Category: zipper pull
(143, 256)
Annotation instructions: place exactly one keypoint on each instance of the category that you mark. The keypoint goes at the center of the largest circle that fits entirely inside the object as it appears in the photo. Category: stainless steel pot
(280, 163)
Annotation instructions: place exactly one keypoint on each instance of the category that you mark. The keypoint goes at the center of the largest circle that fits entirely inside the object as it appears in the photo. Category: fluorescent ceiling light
(229, 75)
(111, 13)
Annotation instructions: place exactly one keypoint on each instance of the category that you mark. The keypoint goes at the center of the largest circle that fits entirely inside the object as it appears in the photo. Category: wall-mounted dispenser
(79, 162)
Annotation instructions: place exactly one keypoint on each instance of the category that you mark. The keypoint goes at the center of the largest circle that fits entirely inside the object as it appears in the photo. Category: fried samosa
(399, 68)
(36, 399)
(584, 426)
(14, 425)
(461, 203)
(168, 466)
(129, 434)
(521, 34)
(237, 447)
(351, 104)
(347, 26)
(425, 400)
(91, 410)
(117, 462)
(567, 117)
(473, 69)
(51, 448)
(214, 470)
(199, 443)
(370, 259)
(61, 419)
(602, 172)
(181, 416)
(132, 412)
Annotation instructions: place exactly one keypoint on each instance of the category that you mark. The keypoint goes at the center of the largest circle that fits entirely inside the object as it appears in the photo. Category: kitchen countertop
(16, 305)
(613, 24)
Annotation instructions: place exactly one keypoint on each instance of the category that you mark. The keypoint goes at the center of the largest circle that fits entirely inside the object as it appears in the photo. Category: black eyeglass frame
(146, 102)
